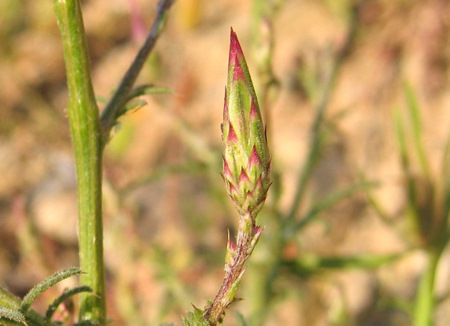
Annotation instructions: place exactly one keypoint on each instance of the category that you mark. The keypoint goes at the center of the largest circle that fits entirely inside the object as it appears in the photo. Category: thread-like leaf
(66, 294)
(330, 201)
(38, 289)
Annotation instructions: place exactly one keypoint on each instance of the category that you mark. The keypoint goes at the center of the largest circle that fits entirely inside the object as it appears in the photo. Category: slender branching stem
(116, 104)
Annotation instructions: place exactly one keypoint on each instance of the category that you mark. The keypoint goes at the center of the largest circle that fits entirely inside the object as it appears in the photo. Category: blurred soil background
(166, 214)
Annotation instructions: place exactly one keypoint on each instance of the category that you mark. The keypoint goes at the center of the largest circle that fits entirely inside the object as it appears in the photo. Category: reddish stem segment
(247, 238)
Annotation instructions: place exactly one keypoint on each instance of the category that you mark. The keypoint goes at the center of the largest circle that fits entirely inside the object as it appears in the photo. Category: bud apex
(246, 159)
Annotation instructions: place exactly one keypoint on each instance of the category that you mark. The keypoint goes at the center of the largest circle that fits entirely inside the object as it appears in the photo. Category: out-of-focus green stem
(87, 143)
(424, 306)
(266, 272)
(316, 136)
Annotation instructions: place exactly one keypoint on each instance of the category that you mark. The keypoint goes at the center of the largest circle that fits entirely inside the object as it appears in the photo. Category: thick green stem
(86, 138)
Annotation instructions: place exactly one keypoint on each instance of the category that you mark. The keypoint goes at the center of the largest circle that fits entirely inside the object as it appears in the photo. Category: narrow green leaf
(12, 314)
(359, 262)
(86, 323)
(101, 99)
(416, 122)
(401, 140)
(375, 204)
(413, 105)
(446, 159)
(307, 264)
(446, 180)
(8, 322)
(66, 294)
(148, 89)
(38, 289)
(406, 166)
(134, 105)
(9, 300)
(241, 319)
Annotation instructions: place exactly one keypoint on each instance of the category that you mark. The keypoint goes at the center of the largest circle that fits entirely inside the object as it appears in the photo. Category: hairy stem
(237, 256)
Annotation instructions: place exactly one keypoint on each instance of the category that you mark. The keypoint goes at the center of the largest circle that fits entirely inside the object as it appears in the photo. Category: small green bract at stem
(246, 159)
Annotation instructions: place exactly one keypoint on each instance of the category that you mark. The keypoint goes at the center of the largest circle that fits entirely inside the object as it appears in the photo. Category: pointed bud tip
(234, 42)
(235, 54)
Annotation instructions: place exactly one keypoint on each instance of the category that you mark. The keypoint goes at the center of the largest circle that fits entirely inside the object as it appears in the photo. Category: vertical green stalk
(424, 305)
(86, 138)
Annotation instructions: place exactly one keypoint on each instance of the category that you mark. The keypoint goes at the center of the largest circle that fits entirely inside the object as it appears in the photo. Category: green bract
(246, 159)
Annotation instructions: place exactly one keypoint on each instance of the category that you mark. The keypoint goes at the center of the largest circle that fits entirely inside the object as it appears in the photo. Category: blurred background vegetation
(356, 96)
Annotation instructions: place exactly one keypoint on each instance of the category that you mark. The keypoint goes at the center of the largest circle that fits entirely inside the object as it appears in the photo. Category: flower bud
(246, 158)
